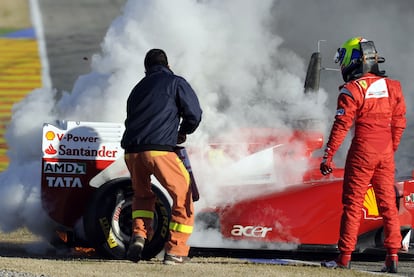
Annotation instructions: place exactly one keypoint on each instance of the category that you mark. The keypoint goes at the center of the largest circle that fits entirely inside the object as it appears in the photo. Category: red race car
(279, 210)
(86, 190)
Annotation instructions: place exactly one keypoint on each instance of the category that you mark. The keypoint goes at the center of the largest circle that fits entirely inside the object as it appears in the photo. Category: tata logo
(64, 182)
(64, 168)
(250, 231)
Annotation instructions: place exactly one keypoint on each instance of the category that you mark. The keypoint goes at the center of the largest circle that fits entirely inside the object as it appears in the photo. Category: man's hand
(181, 138)
(326, 164)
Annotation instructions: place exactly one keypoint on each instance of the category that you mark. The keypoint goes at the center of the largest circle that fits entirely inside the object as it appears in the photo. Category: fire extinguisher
(182, 154)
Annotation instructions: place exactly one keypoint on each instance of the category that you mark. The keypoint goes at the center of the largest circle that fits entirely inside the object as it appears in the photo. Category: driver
(375, 105)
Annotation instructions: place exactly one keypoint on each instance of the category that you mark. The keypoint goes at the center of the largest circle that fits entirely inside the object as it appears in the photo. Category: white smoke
(229, 55)
(243, 58)
(387, 23)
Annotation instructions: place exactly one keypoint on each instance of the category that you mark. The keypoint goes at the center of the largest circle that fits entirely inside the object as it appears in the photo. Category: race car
(303, 215)
(86, 190)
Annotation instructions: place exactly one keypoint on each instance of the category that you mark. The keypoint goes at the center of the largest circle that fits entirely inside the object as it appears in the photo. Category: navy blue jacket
(154, 110)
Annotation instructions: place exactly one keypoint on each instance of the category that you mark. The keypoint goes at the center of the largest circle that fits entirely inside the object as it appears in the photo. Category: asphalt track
(74, 30)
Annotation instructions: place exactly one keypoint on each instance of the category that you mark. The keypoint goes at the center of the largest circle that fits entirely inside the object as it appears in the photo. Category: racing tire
(108, 221)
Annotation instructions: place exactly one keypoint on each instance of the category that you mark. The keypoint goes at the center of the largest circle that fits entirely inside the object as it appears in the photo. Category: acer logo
(250, 231)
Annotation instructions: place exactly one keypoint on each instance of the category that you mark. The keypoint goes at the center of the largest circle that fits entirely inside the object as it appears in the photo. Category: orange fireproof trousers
(174, 177)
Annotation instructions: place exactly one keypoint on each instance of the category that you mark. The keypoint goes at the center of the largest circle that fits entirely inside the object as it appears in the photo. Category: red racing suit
(376, 107)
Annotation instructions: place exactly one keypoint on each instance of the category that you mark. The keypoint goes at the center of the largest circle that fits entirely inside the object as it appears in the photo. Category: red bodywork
(66, 202)
(307, 213)
(304, 209)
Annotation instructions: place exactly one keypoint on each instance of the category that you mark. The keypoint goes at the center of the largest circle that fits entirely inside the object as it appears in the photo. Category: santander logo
(77, 146)
(50, 150)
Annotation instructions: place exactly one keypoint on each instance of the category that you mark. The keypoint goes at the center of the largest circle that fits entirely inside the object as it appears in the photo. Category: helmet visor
(339, 55)
(344, 59)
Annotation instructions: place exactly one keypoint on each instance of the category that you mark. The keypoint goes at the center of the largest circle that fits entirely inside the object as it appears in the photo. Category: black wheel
(108, 221)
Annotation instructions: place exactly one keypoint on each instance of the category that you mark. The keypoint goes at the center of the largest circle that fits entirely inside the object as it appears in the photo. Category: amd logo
(64, 168)
(250, 231)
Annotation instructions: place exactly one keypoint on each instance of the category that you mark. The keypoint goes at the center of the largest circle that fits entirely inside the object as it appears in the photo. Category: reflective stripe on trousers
(173, 176)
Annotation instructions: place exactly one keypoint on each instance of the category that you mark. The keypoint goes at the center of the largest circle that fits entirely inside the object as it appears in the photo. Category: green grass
(4, 31)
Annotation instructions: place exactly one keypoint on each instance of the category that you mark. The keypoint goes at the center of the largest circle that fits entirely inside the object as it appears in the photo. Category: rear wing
(313, 73)
(73, 153)
(78, 150)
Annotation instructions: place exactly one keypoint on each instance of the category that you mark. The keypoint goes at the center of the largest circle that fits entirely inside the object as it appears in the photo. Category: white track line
(37, 23)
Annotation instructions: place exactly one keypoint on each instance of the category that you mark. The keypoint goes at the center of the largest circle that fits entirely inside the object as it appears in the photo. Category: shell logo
(370, 205)
(50, 135)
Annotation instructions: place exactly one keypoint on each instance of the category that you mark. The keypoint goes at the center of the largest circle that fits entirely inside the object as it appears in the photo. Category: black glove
(181, 138)
(326, 164)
